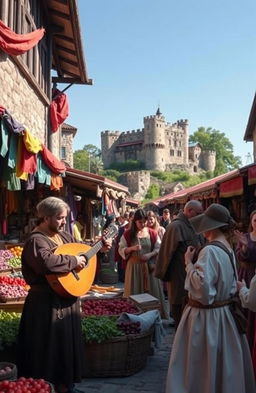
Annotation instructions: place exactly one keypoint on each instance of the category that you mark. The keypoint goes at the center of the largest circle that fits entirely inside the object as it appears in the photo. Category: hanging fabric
(17, 44)
(52, 162)
(59, 109)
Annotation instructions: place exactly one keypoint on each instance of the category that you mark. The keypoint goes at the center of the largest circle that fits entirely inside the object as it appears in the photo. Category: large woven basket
(119, 357)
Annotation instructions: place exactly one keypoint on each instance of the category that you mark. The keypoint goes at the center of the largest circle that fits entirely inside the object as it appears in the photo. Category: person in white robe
(209, 355)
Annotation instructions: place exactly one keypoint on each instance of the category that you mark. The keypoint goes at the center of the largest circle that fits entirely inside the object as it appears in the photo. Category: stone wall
(24, 104)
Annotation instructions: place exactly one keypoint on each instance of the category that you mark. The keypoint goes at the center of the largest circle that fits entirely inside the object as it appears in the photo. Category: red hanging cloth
(55, 165)
(17, 44)
(59, 109)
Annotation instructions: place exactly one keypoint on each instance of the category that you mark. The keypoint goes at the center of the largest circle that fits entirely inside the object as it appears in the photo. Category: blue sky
(196, 58)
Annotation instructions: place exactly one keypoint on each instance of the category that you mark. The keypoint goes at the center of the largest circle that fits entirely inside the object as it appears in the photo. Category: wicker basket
(11, 375)
(119, 357)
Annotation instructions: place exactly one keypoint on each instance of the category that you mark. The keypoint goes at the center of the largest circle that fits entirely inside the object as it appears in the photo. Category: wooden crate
(145, 302)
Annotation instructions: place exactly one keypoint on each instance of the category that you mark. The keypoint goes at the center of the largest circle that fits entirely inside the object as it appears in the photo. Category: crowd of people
(201, 260)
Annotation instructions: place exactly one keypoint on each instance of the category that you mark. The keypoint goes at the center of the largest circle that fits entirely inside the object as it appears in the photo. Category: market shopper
(170, 260)
(153, 223)
(246, 255)
(166, 218)
(49, 340)
(139, 246)
(209, 354)
(248, 300)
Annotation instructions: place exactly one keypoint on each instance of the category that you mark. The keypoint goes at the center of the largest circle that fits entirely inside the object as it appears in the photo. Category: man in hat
(170, 265)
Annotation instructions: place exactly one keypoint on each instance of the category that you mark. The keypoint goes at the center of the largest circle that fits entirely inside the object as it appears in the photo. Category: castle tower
(108, 139)
(207, 160)
(154, 141)
(184, 125)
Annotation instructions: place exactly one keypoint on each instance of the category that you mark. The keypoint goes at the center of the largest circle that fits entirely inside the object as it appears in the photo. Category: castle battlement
(110, 133)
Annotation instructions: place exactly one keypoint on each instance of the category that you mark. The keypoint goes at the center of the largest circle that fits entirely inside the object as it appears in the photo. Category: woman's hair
(138, 215)
(50, 207)
(250, 224)
(153, 214)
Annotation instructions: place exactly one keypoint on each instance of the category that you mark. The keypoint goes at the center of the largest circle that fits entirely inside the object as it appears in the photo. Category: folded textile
(147, 320)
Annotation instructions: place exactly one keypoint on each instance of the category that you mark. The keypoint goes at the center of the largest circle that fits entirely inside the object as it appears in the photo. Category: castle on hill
(159, 145)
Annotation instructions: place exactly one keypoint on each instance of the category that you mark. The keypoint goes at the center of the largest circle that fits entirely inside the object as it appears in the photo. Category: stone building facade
(27, 80)
(66, 143)
(159, 145)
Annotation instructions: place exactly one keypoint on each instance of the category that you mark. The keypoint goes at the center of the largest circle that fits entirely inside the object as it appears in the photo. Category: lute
(78, 283)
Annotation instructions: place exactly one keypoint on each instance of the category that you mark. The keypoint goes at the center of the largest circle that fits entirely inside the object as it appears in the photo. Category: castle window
(63, 153)
(172, 153)
(179, 153)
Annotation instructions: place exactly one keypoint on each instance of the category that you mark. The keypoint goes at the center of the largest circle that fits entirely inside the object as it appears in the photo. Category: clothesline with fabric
(17, 44)
(24, 158)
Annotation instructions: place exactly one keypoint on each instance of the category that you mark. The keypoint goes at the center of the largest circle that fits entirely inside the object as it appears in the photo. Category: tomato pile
(12, 281)
(25, 385)
(108, 307)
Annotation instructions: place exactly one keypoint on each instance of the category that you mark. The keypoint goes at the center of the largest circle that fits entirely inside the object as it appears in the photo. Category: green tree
(153, 192)
(81, 160)
(88, 159)
(211, 139)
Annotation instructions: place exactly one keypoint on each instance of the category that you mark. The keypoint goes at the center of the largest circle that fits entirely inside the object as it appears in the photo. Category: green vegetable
(99, 328)
(9, 325)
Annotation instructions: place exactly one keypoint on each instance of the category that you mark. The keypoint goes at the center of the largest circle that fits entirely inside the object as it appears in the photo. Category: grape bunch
(128, 327)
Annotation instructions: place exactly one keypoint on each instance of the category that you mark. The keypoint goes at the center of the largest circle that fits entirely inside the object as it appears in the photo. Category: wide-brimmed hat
(215, 216)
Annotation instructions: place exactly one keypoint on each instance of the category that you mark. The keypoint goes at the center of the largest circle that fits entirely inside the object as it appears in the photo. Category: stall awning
(92, 183)
(203, 190)
(252, 175)
(232, 187)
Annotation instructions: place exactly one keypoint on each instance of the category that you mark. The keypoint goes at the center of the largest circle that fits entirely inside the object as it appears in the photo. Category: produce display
(16, 251)
(128, 327)
(9, 323)
(24, 385)
(103, 328)
(14, 262)
(12, 288)
(5, 255)
(108, 307)
(98, 329)
(12, 292)
(10, 258)
(9, 280)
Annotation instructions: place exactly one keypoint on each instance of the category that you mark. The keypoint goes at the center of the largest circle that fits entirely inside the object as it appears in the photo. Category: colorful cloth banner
(17, 44)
